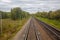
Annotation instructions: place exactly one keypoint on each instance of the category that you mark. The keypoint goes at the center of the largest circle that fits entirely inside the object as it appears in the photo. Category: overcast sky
(30, 5)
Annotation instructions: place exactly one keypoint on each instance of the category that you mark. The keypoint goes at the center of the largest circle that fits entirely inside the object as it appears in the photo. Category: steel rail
(54, 31)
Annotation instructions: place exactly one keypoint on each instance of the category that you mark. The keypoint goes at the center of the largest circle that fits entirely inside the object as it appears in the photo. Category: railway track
(33, 29)
(50, 29)
(37, 33)
(38, 30)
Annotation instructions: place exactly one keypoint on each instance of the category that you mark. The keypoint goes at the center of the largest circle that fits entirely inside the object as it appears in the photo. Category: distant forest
(49, 15)
(18, 13)
(15, 14)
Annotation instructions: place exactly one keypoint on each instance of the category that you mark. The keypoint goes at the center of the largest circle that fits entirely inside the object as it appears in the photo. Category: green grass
(10, 28)
(54, 23)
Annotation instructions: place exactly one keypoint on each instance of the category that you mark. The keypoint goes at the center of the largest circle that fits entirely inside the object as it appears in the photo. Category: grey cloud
(31, 5)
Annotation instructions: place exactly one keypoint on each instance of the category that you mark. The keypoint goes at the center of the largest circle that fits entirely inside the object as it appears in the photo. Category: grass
(10, 28)
(54, 23)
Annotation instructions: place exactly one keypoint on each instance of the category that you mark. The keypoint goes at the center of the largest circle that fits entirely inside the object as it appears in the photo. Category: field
(54, 23)
(10, 28)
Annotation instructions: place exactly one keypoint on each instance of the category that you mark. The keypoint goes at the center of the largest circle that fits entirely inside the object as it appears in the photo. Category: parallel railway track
(50, 29)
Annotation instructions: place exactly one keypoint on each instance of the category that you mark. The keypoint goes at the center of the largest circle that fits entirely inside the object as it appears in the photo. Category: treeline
(49, 15)
(4, 15)
(16, 13)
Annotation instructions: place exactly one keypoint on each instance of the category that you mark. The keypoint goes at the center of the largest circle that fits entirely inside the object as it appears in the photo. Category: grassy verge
(10, 28)
(54, 23)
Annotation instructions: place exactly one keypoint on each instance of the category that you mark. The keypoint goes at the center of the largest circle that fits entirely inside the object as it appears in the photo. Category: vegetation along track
(55, 33)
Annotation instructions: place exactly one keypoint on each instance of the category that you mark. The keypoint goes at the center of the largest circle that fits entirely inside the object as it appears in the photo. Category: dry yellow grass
(10, 27)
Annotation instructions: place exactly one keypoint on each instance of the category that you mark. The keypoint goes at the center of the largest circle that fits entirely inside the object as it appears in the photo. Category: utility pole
(1, 22)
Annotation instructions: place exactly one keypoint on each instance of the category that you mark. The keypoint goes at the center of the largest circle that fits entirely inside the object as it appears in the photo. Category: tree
(16, 13)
